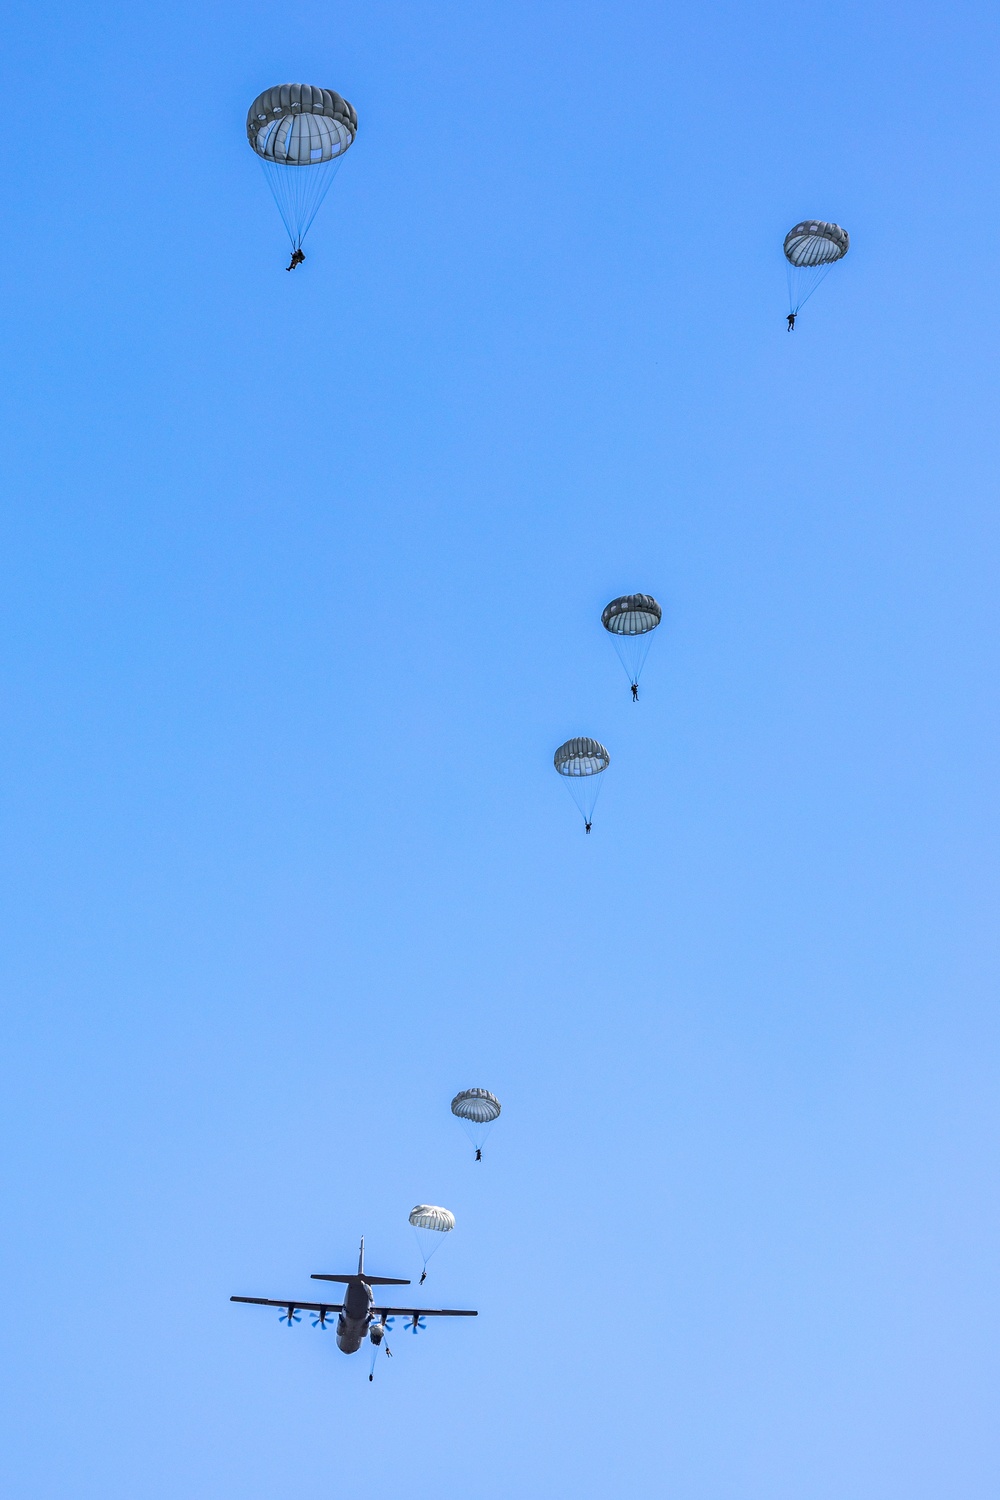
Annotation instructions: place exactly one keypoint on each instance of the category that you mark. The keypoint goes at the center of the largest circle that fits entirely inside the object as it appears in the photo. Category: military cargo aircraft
(358, 1316)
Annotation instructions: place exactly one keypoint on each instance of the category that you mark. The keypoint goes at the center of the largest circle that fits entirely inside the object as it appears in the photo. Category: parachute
(630, 621)
(430, 1225)
(428, 1216)
(581, 762)
(811, 248)
(300, 134)
(477, 1109)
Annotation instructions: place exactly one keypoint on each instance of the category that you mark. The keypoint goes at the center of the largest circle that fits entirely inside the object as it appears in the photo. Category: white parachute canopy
(430, 1225)
(811, 248)
(630, 622)
(429, 1216)
(477, 1109)
(581, 763)
(300, 134)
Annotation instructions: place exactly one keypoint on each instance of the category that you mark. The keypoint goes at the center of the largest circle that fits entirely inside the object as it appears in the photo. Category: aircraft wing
(317, 1307)
(336, 1307)
(422, 1312)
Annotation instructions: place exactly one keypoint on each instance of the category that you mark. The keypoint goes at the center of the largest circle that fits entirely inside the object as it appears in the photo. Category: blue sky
(301, 585)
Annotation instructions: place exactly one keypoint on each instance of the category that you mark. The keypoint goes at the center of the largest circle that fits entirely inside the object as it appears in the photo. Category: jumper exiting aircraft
(358, 1316)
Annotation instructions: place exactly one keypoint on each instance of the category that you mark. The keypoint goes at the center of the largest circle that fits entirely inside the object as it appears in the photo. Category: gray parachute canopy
(581, 757)
(814, 243)
(296, 125)
(477, 1105)
(632, 614)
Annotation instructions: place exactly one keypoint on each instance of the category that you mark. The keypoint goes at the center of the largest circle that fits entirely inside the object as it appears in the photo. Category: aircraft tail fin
(362, 1275)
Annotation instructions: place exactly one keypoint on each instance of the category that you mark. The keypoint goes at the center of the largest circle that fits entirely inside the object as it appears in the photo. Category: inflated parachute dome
(813, 243)
(581, 757)
(632, 614)
(477, 1105)
(429, 1216)
(300, 133)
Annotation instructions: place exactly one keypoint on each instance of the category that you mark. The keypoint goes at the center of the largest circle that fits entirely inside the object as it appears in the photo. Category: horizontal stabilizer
(364, 1276)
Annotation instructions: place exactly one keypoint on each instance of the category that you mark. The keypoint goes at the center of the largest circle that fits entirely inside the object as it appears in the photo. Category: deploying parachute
(477, 1109)
(811, 248)
(430, 1225)
(581, 762)
(630, 622)
(300, 134)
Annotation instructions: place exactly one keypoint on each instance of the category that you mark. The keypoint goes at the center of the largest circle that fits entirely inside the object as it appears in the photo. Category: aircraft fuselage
(355, 1320)
(357, 1316)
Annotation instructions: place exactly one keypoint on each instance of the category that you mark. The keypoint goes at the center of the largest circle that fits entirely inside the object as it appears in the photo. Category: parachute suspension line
(644, 643)
(585, 791)
(632, 651)
(375, 1352)
(437, 1242)
(299, 192)
(476, 1133)
(800, 277)
(618, 643)
(597, 793)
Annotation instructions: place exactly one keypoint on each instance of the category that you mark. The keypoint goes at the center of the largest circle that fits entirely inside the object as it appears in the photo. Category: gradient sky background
(301, 584)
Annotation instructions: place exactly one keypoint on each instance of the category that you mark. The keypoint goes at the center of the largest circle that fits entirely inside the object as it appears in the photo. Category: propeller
(416, 1324)
(289, 1316)
(319, 1320)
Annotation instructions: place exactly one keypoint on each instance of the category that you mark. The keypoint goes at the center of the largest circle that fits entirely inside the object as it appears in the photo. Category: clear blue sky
(301, 583)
